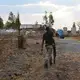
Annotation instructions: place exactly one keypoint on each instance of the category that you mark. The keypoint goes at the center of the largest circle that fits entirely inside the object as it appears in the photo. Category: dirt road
(68, 45)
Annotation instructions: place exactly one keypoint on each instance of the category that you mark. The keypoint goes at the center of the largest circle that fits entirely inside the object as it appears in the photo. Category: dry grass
(76, 38)
(67, 65)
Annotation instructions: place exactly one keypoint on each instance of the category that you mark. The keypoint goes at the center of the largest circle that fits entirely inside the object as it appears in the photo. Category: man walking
(49, 45)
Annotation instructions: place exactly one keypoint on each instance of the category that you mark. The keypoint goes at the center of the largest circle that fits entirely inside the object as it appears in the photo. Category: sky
(65, 12)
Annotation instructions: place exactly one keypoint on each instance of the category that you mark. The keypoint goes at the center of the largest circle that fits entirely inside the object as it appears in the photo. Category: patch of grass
(68, 38)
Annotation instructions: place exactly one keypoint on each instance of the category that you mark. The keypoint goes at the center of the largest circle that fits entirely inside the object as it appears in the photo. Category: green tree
(48, 19)
(11, 17)
(20, 37)
(1, 23)
(7, 25)
(45, 18)
(51, 20)
(11, 21)
(17, 23)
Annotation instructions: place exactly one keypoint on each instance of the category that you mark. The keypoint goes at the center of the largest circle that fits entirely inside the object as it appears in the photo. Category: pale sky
(65, 12)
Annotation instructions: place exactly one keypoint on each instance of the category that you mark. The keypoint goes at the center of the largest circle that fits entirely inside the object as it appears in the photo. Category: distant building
(25, 26)
(73, 29)
(65, 31)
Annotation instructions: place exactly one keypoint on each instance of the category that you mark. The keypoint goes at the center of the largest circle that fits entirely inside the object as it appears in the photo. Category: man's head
(47, 28)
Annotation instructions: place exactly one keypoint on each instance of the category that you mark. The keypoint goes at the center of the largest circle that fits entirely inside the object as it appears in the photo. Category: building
(25, 26)
(65, 31)
(73, 29)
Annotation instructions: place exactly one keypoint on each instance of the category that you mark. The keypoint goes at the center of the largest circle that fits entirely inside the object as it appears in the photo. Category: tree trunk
(20, 41)
(18, 31)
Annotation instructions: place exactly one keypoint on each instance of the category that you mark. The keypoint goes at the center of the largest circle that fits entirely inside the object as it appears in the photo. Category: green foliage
(1, 23)
(11, 17)
(51, 20)
(45, 18)
(17, 22)
(48, 19)
(7, 25)
(13, 22)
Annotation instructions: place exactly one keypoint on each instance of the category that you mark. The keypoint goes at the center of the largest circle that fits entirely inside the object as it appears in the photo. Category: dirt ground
(27, 64)
(76, 38)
